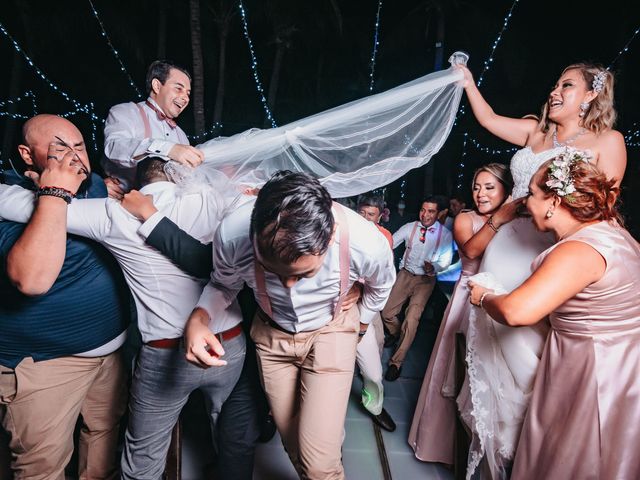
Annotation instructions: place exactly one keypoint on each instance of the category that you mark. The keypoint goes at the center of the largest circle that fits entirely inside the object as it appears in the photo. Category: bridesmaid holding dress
(585, 406)
(432, 430)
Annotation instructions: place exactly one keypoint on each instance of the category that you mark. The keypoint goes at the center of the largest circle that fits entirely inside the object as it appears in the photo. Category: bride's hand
(507, 211)
(476, 292)
(468, 76)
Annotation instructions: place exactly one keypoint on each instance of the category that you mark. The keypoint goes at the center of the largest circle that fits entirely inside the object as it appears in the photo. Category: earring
(549, 214)
(584, 106)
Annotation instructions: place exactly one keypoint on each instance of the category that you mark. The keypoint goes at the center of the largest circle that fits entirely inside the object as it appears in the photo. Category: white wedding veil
(353, 148)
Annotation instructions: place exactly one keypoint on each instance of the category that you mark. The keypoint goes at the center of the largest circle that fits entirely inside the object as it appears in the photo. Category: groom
(135, 131)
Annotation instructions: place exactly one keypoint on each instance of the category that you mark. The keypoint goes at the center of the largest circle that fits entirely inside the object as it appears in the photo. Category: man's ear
(155, 86)
(25, 154)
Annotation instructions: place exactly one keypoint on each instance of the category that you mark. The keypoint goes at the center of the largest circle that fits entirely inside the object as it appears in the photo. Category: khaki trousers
(416, 288)
(40, 403)
(307, 377)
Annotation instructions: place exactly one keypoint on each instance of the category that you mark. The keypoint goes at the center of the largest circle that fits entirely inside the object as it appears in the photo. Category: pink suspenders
(407, 252)
(344, 258)
(145, 121)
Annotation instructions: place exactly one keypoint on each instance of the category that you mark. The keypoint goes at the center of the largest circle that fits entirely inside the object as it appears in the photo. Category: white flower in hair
(559, 177)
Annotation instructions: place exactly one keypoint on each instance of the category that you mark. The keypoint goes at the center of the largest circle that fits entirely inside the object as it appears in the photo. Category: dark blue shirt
(87, 306)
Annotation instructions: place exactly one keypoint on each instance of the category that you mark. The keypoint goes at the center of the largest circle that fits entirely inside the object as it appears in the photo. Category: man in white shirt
(428, 251)
(164, 296)
(134, 131)
(300, 256)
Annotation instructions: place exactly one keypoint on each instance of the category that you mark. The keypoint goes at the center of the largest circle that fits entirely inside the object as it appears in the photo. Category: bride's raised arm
(512, 130)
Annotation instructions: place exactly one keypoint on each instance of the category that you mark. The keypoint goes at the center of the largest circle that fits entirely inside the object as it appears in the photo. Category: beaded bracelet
(491, 224)
(59, 192)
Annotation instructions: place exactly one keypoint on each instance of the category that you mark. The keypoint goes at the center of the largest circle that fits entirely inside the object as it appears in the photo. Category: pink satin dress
(433, 427)
(584, 418)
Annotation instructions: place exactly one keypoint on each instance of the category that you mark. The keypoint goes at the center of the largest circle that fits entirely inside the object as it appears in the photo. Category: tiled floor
(360, 453)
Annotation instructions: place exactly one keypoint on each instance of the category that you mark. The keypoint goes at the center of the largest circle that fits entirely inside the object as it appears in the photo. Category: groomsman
(300, 253)
(370, 348)
(428, 251)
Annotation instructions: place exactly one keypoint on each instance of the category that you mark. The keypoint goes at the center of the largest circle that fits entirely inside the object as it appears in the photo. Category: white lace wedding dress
(502, 360)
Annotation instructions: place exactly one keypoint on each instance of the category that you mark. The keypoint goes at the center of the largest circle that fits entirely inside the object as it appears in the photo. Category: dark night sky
(324, 67)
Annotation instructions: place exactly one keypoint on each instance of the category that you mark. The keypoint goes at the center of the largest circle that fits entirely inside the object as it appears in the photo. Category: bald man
(63, 317)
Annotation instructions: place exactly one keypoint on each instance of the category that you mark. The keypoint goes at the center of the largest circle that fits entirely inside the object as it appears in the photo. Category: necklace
(568, 141)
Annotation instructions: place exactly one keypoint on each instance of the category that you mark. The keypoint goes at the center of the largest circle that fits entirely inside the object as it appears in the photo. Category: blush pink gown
(584, 418)
(433, 427)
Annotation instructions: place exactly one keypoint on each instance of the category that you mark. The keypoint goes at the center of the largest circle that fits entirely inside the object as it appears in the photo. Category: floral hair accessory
(599, 80)
(559, 178)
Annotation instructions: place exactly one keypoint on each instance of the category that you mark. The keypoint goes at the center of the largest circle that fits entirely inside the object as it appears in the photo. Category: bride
(502, 360)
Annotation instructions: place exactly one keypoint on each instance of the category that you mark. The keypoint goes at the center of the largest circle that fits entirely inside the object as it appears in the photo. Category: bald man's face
(48, 135)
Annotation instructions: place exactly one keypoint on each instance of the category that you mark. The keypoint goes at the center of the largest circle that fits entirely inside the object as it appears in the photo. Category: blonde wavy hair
(600, 114)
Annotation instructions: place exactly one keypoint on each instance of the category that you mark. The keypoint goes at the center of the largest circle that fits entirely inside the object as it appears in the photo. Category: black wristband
(62, 193)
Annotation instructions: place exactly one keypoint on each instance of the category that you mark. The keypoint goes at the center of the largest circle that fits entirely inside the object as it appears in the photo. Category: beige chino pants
(40, 403)
(307, 377)
(416, 288)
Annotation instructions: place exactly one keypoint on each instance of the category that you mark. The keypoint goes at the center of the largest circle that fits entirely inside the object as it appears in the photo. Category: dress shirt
(425, 251)
(309, 304)
(125, 143)
(164, 294)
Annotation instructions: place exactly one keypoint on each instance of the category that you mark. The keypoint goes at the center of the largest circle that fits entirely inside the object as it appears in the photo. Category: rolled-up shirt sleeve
(379, 274)
(225, 283)
(444, 255)
(16, 203)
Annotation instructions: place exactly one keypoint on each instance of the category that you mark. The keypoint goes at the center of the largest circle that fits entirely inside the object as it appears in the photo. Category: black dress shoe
(393, 373)
(384, 420)
(267, 429)
(390, 341)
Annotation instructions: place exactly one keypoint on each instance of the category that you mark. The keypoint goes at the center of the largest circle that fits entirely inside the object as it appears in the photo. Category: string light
(375, 46)
(462, 160)
(114, 51)
(491, 151)
(204, 135)
(28, 94)
(489, 61)
(254, 65)
(78, 107)
(487, 65)
(403, 186)
(624, 49)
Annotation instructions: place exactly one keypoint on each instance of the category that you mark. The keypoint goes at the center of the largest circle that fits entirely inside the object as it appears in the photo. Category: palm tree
(198, 68)
(223, 12)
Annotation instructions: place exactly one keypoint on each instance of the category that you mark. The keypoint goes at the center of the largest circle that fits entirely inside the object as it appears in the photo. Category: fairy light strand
(114, 51)
(78, 106)
(214, 129)
(254, 66)
(489, 61)
(376, 43)
(624, 49)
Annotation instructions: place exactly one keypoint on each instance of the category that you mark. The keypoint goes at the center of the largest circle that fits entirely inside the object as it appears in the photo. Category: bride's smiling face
(567, 95)
(488, 193)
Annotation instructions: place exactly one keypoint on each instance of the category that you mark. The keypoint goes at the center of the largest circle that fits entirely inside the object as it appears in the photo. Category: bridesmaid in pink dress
(432, 429)
(585, 408)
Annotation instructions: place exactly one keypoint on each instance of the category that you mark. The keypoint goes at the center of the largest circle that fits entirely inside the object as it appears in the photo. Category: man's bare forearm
(35, 260)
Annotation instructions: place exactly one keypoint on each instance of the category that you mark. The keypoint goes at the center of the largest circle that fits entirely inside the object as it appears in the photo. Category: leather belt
(227, 335)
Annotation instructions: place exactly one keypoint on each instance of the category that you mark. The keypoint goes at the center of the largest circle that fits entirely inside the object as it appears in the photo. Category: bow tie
(423, 232)
(161, 116)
